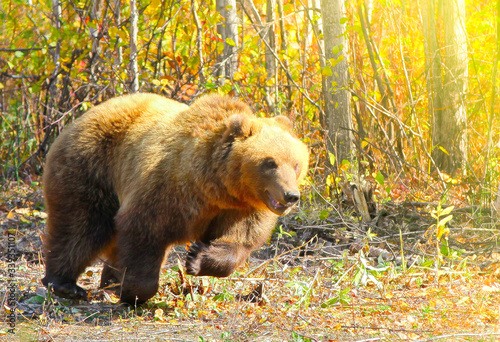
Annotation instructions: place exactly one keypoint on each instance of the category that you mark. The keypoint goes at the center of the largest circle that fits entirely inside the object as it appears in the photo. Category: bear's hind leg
(77, 232)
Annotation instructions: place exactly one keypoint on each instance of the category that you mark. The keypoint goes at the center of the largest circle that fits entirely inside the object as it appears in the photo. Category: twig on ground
(277, 257)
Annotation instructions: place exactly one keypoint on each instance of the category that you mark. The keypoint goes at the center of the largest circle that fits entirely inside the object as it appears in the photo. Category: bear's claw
(193, 262)
(67, 290)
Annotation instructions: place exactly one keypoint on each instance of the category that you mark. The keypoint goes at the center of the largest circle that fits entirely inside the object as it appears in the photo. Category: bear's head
(267, 162)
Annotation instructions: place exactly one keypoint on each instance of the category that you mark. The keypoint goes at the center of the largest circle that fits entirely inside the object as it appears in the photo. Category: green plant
(367, 273)
(300, 338)
(440, 230)
(342, 297)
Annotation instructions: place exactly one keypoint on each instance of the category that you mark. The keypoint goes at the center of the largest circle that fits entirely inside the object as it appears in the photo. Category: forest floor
(329, 279)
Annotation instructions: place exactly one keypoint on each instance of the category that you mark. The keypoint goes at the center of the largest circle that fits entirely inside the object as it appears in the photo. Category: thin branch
(372, 58)
(287, 73)
(21, 49)
(277, 257)
(451, 336)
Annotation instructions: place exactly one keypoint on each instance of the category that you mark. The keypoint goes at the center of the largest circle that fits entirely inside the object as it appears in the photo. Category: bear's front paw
(194, 257)
(218, 259)
(65, 289)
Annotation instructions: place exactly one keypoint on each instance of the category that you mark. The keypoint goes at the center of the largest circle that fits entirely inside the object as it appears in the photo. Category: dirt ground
(316, 280)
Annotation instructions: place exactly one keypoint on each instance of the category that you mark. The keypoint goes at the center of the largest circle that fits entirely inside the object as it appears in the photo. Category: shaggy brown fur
(140, 173)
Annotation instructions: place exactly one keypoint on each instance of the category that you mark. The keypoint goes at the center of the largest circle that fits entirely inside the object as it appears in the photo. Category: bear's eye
(269, 164)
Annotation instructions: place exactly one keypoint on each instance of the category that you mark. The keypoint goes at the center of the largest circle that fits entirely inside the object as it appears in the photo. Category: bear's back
(135, 113)
(92, 141)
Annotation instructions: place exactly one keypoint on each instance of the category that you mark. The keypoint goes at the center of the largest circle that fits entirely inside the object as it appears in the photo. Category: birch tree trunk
(56, 56)
(199, 44)
(433, 61)
(270, 49)
(489, 142)
(134, 72)
(336, 88)
(51, 95)
(283, 47)
(317, 26)
(228, 30)
(118, 49)
(449, 136)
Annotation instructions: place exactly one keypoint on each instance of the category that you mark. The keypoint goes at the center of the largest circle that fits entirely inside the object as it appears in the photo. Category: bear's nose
(292, 196)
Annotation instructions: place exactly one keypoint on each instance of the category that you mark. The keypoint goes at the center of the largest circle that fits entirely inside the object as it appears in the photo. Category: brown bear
(140, 173)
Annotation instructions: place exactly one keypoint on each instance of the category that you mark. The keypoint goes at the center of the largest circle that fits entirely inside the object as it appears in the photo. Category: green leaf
(324, 215)
(343, 20)
(230, 41)
(92, 24)
(24, 220)
(447, 210)
(357, 277)
(326, 71)
(329, 180)
(342, 298)
(444, 150)
(337, 48)
(331, 157)
(223, 296)
(299, 338)
(379, 178)
(445, 249)
(444, 221)
(427, 263)
(35, 300)
(19, 54)
(330, 302)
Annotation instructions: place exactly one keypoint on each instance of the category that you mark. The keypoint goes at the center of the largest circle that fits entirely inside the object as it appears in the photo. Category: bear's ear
(238, 126)
(284, 121)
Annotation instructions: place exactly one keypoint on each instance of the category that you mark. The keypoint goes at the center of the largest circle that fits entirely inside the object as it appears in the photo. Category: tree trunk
(371, 55)
(199, 42)
(95, 36)
(118, 49)
(228, 29)
(432, 61)
(283, 46)
(56, 56)
(449, 136)
(134, 72)
(270, 48)
(51, 95)
(317, 26)
(56, 14)
(336, 90)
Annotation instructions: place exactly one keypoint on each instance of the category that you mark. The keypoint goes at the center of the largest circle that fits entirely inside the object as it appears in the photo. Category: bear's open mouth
(274, 202)
(275, 205)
